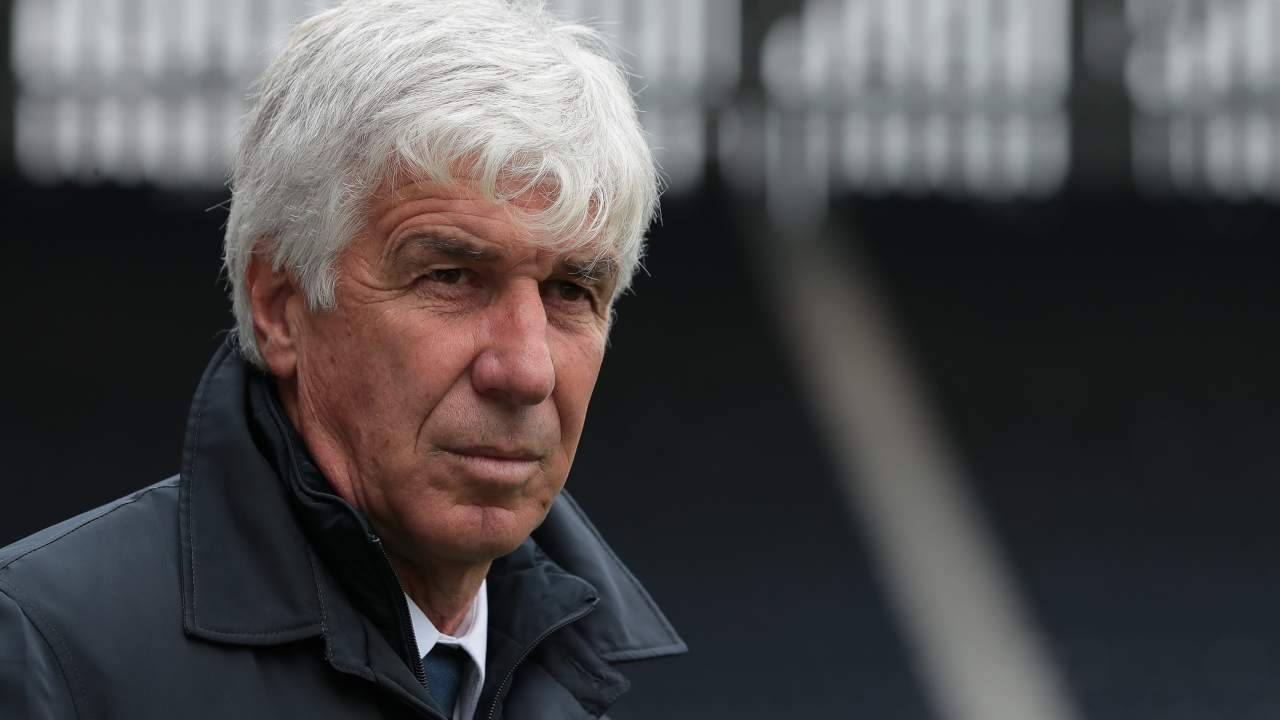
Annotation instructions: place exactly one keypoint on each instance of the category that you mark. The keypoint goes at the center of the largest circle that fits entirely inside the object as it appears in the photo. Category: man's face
(446, 393)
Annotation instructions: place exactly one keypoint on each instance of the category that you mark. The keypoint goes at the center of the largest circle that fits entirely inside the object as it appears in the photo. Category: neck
(444, 591)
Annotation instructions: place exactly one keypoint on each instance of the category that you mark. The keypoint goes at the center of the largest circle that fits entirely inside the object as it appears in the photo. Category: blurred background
(948, 391)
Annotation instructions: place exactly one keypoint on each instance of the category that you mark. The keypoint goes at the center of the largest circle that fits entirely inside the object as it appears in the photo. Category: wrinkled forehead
(516, 218)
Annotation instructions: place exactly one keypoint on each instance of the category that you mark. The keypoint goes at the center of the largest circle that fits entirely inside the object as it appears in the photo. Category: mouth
(497, 465)
(495, 453)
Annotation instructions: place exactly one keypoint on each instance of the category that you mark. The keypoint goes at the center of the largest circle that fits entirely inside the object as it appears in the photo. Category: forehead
(414, 207)
(394, 207)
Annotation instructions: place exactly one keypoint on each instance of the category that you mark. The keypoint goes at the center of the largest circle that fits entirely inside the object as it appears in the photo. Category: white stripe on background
(978, 652)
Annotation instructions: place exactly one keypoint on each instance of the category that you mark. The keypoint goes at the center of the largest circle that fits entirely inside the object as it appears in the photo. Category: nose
(514, 366)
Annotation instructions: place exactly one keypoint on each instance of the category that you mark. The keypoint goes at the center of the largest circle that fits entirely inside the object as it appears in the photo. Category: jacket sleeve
(32, 683)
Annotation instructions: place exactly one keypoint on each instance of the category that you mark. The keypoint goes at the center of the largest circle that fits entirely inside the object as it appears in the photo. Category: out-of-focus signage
(860, 97)
(153, 90)
(949, 96)
(1204, 82)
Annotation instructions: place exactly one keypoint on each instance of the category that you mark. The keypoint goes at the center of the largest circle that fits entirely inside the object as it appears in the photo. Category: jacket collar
(251, 573)
(247, 575)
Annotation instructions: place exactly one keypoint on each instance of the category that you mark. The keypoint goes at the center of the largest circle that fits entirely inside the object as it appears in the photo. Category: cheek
(419, 370)
(576, 376)
(430, 358)
(366, 371)
(325, 363)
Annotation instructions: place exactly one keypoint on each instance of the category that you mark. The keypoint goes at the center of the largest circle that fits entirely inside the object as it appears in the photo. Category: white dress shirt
(472, 637)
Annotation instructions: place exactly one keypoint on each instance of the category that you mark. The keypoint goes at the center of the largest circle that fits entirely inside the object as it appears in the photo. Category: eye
(449, 284)
(570, 292)
(446, 276)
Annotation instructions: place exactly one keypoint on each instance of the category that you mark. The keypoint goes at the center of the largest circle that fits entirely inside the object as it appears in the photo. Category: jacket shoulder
(33, 681)
(141, 518)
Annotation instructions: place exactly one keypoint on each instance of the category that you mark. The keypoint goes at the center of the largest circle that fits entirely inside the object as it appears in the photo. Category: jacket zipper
(405, 621)
(502, 686)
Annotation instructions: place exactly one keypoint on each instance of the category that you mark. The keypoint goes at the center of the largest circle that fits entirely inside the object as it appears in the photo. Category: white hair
(497, 95)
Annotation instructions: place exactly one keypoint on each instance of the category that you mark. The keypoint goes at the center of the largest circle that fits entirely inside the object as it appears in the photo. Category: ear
(276, 301)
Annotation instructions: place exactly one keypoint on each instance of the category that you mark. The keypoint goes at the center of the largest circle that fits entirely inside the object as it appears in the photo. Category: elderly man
(435, 204)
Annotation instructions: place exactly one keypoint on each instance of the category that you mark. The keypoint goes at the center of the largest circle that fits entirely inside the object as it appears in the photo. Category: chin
(476, 533)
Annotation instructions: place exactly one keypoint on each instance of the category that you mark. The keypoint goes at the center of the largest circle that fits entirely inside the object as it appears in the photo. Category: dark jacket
(243, 588)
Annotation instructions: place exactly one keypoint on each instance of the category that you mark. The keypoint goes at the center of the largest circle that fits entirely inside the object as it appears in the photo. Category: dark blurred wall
(114, 302)
(1106, 365)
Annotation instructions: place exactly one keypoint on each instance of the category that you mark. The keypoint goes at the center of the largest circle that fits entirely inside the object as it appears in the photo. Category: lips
(495, 465)
(496, 453)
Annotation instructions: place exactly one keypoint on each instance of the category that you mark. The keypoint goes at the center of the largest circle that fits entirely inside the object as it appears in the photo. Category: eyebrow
(449, 247)
(597, 271)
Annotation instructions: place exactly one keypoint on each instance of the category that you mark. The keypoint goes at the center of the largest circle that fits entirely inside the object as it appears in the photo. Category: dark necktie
(445, 665)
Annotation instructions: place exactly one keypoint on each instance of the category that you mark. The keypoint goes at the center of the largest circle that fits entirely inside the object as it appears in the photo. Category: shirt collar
(472, 637)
